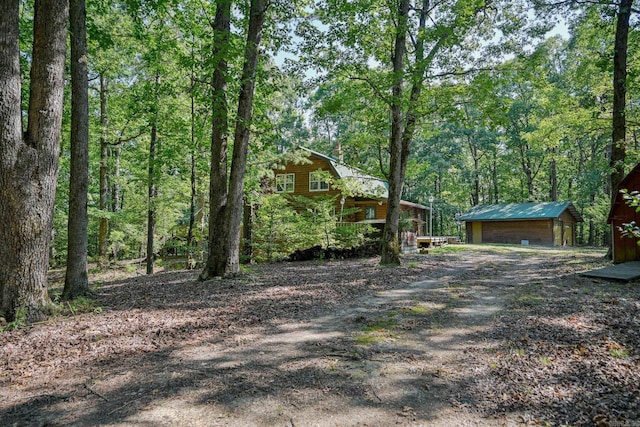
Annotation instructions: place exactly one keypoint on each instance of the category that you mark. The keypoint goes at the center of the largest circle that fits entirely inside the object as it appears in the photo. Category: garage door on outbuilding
(548, 223)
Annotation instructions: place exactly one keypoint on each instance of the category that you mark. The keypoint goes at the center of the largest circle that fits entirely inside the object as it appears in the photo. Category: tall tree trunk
(192, 202)
(151, 211)
(247, 231)
(217, 256)
(494, 178)
(390, 245)
(194, 149)
(402, 136)
(103, 227)
(29, 162)
(235, 202)
(617, 151)
(553, 181)
(76, 280)
(475, 195)
(116, 196)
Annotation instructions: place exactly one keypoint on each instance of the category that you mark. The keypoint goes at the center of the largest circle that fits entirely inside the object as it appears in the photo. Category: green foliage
(352, 235)
(81, 305)
(19, 322)
(632, 199)
(274, 230)
(285, 224)
(501, 111)
(619, 353)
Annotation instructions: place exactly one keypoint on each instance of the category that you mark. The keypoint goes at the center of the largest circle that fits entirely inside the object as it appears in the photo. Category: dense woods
(180, 109)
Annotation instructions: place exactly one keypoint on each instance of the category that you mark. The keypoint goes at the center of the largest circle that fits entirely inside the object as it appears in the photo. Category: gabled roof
(369, 185)
(520, 211)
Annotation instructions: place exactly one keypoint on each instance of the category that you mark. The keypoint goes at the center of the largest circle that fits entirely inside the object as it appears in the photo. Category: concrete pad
(626, 271)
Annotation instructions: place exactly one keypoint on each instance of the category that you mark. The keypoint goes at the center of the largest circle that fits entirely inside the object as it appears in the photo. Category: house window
(285, 182)
(370, 212)
(316, 182)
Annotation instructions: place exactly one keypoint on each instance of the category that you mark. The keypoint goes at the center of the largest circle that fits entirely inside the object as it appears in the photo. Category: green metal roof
(520, 211)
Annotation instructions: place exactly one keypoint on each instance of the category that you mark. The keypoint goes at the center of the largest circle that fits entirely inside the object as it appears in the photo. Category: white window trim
(283, 177)
(320, 182)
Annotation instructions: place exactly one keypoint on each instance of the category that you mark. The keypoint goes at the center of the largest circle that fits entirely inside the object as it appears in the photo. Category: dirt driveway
(475, 336)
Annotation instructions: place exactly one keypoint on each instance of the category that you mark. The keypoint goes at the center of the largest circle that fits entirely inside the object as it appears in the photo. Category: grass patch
(616, 350)
(417, 310)
(130, 268)
(369, 338)
(523, 250)
(95, 269)
(518, 352)
(19, 322)
(619, 352)
(376, 332)
(451, 249)
(381, 325)
(79, 306)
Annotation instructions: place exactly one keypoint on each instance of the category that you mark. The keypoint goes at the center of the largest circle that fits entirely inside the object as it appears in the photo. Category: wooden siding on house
(547, 223)
(380, 207)
(568, 232)
(302, 173)
(624, 248)
(301, 188)
(537, 232)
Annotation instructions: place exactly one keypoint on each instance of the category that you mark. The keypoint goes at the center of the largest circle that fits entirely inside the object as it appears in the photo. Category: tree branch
(373, 87)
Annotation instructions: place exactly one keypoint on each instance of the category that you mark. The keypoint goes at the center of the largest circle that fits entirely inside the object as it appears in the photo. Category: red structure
(624, 248)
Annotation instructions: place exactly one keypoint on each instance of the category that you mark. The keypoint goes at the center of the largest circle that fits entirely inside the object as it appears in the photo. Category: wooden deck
(431, 241)
(627, 271)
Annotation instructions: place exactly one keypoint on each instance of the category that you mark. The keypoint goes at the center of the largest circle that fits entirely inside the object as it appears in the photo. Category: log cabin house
(370, 193)
(550, 223)
(624, 248)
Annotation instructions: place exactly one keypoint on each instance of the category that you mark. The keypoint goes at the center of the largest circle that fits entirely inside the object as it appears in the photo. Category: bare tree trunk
(116, 196)
(76, 280)
(235, 203)
(192, 203)
(401, 138)
(617, 151)
(103, 227)
(153, 192)
(553, 181)
(217, 257)
(475, 195)
(390, 245)
(194, 149)
(29, 162)
(247, 229)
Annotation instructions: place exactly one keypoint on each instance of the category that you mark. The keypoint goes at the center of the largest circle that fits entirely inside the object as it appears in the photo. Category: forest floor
(467, 335)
